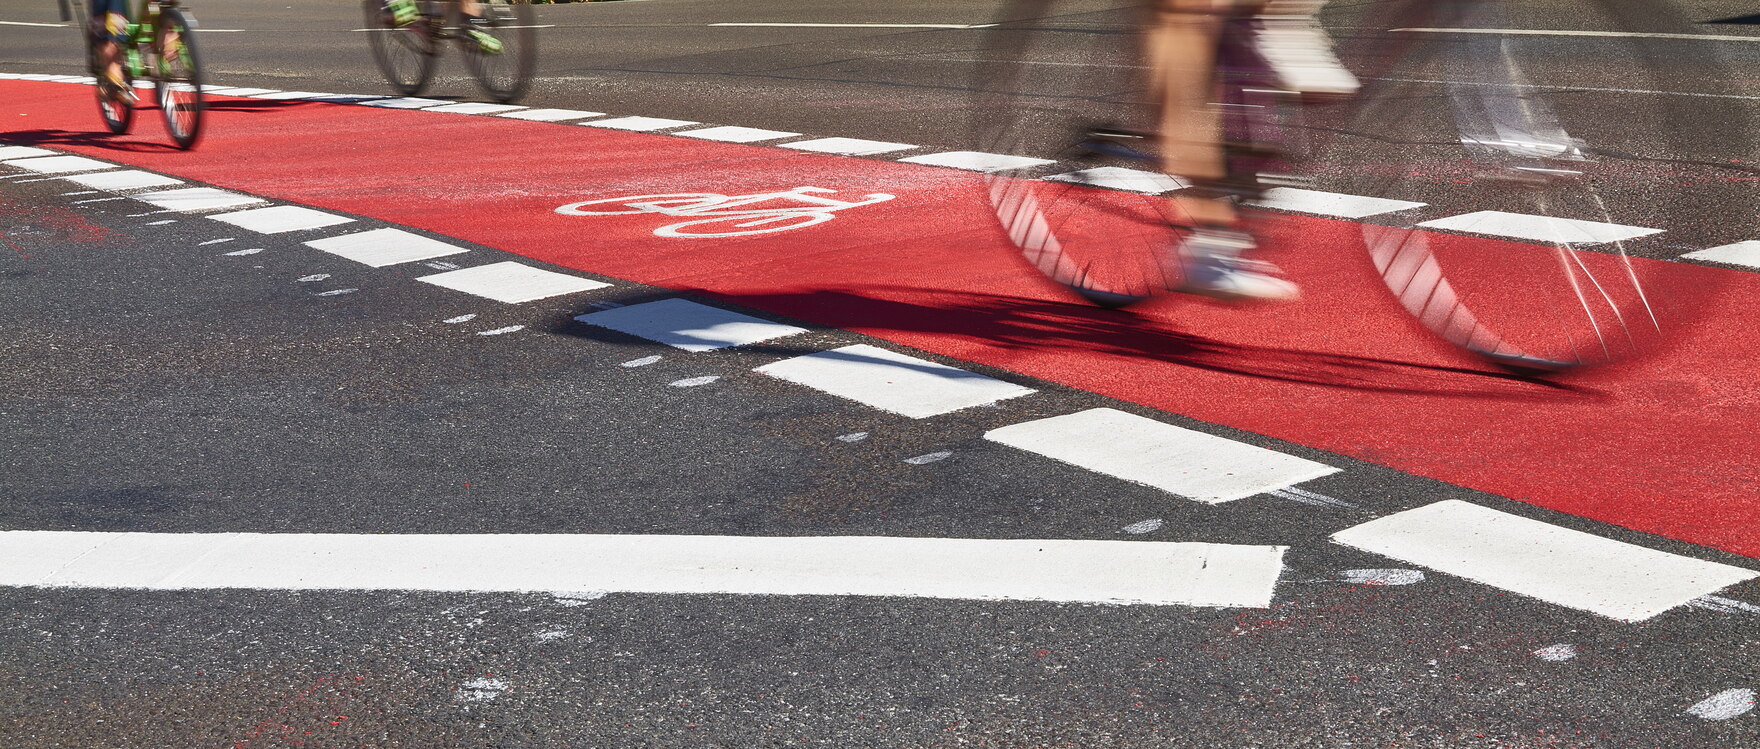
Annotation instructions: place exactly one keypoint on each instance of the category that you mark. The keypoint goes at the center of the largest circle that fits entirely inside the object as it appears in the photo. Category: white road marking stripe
(349, 98)
(106, 200)
(407, 102)
(1119, 178)
(281, 218)
(60, 164)
(512, 282)
(292, 95)
(977, 161)
(865, 25)
(1174, 459)
(195, 199)
(502, 331)
(27, 23)
(1727, 704)
(732, 134)
(237, 91)
(1538, 228)
(1564, 32)
(1330, 203)
(338, 292)
(687, 325)
(892, 382)
(1557, 565)
(929, 458)
(643, 124)
(642, 362)
(238, 253)
(126, 179)
(162, 223)
(1741, 253)
(1113, 572)
(22, 152)
(550, 115)
(381, 247)
(214, 241)
(691, 382)
(847, 146)
(477, 107)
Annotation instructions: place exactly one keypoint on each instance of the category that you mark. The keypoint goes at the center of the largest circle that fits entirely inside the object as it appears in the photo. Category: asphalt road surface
(265, 483)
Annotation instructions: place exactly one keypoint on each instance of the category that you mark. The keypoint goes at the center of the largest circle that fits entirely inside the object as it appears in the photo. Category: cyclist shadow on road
(102, 140)
(1027, 323)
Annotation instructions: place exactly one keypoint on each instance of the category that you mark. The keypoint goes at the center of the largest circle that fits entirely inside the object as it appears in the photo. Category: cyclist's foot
(1213, 265)
(116, 87)
(403, 12)
(1300, 54)
(486, 42)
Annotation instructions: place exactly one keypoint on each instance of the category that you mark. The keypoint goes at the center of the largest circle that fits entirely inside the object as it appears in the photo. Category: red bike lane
(1662, 446)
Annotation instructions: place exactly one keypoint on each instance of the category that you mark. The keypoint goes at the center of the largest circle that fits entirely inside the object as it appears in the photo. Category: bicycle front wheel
(1063, 82)
(1538, 185)
(503, 61)
(115, 107)
(179, 81)
(405, 53)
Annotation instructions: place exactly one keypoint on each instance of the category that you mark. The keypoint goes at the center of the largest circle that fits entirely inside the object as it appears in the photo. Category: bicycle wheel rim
(507, 75)
(405, 54)
(1053, 74)
(179, 78)
(1542, 244)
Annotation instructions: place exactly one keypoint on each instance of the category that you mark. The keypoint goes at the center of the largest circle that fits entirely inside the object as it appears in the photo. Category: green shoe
(403, 12)
(486, 42)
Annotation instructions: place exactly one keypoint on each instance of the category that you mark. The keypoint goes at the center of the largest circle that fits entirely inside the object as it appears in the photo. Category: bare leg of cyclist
(1181, 47)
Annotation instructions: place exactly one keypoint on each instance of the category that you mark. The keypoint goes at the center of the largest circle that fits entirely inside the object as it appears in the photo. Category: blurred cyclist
(1182, 42)
(112, 16)
(404, 13)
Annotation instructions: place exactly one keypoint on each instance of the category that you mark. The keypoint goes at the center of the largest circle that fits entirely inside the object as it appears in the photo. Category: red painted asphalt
(1663, 446)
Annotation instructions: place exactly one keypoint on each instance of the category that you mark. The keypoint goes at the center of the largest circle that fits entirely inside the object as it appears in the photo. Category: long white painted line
(60, 164)
(476, 107)
(26, 23)
(1570, 88)
(1557, 565)
(1330, 203)
(236, 90)
(293, 95)
(512, 282)
(892, 382)
(1174, 459)
(865, 25)
(977, 161)
(197, 199)
(1741, 253)
(847, 146)
(406, 102)
(733, 134)
(687, 325)
(550, 115)
(1563, 32)
(23, 152)
(1119, 178)
(1115, 572)
(643, 124)
(126, 179)
(281, 218)
(1538, 228)
(381, 247)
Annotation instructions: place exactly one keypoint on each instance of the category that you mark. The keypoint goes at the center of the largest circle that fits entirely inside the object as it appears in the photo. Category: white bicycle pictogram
(734, 215)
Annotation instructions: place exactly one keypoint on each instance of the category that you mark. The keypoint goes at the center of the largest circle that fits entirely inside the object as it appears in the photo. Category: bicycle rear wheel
(405, 54)
(505, 73)
(116, 110)
(1549, 178)
(1063, 82)
(179, 81)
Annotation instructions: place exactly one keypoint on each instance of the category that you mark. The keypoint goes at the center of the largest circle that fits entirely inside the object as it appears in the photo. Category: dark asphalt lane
(152, 383)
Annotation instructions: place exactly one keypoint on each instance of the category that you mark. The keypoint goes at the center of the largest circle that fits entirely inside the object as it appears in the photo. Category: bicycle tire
(504, 76)
(178, 77)
(1060, 81)
(1537, 154)
(116, 112)
(405, 54)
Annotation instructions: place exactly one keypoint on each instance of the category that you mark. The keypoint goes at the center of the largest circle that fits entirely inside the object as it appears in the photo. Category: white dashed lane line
(125, 179)
(1133, 572)
(847, 146)
(280, 219)
(732, 134)
(1338, 205)
(1119, 178)
(60, 164)
(381, 247)
(1179, 461)
(1538, 228)
(550, 115)
(687, 325)
(1540, 560)
(643, 124)
(893, 382)
(197, 199)
(512, 282)
(1746, 254)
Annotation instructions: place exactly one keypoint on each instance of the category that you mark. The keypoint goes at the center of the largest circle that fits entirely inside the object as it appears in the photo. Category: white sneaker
(1300, 54)
(1212, 265)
